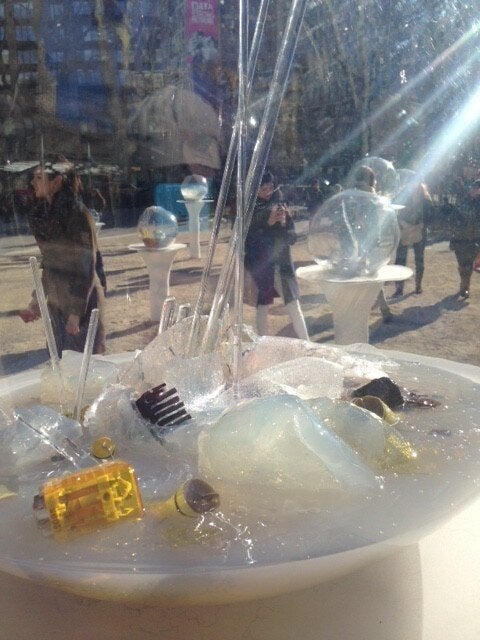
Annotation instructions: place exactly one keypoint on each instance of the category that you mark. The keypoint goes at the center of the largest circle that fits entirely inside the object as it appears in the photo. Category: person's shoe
(397, 294)
(418, 290)
(464, 293)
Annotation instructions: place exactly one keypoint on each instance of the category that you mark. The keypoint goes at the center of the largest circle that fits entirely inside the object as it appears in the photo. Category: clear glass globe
(384, 170)
(407, 182)
(353, 234)
(194, 187)
(157, 227)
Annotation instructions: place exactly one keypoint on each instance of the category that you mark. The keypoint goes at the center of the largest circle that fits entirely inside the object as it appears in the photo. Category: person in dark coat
(268, 258)
(465, 234)
(64, 231)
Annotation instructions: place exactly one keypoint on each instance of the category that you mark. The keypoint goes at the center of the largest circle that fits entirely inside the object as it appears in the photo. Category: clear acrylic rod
(226, 180)
(241, 169)
(258, 162)
(87, 355)
(47, 321)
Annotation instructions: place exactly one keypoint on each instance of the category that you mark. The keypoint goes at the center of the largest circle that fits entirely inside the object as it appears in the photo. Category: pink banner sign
(201, 29)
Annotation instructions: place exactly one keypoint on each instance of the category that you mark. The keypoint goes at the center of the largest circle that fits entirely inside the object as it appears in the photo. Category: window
(23, 10)
(25, 33)
(91, 54)
(27, 57)
(56, 11)
(82, 8)
(56, 56)
(27, 76)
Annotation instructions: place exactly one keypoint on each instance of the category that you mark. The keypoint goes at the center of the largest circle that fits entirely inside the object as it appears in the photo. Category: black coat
(267, 247)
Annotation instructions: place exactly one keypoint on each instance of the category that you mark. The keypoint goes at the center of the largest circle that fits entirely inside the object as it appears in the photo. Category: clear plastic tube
(87, 355)
(168, 314)
(47, 321)
(226, 180)
(258, 162)
(241, 169)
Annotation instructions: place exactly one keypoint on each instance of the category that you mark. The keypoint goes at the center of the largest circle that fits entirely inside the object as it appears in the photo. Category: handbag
(411, 233)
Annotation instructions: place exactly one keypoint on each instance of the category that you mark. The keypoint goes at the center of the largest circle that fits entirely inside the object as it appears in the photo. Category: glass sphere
(194, 187)
(407, 182)
(385, 174)
(354, 233)
(157, 227)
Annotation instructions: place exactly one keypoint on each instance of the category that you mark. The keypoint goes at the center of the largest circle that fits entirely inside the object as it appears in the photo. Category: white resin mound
(275, 451)
(362, 430)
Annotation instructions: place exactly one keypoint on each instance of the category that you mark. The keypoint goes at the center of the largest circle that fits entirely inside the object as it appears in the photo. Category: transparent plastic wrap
(165, 360)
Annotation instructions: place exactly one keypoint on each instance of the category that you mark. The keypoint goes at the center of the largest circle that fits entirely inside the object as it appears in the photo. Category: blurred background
(143, 92)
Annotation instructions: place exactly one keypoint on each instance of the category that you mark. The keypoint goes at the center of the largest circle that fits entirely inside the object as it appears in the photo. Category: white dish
(114, 565)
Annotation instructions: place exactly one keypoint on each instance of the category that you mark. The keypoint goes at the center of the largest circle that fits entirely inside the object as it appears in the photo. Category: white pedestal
(352, 300)
(194, 208)
(159, 263)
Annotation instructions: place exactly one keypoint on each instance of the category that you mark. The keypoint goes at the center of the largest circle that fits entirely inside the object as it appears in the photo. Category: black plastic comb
(162, 408)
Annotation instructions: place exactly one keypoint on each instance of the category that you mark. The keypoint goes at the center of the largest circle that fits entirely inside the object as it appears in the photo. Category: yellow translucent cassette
(89, 499)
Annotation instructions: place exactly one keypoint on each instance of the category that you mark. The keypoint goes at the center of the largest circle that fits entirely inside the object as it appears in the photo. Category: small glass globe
(353, 234)
(385, 174)
(194, 187)
(157, 227)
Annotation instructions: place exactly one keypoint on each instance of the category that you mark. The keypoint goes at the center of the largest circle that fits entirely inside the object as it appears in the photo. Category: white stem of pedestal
(159, 263)
(194, 207)
(351, 303)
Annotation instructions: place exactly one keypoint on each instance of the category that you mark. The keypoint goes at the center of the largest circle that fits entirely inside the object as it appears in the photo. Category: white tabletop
(388, 273)
(139, 246)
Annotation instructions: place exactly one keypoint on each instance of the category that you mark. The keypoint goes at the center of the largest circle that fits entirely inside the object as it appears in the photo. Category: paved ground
(435, 323)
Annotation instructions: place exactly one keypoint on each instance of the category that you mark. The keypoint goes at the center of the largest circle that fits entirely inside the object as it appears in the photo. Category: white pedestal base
(352, 300)
(159, 263)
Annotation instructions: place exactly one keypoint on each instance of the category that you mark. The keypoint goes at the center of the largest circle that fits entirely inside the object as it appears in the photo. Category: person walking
(268, 258)
(365, 181)
(413, 221)
(64, 231)
(465, 234)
